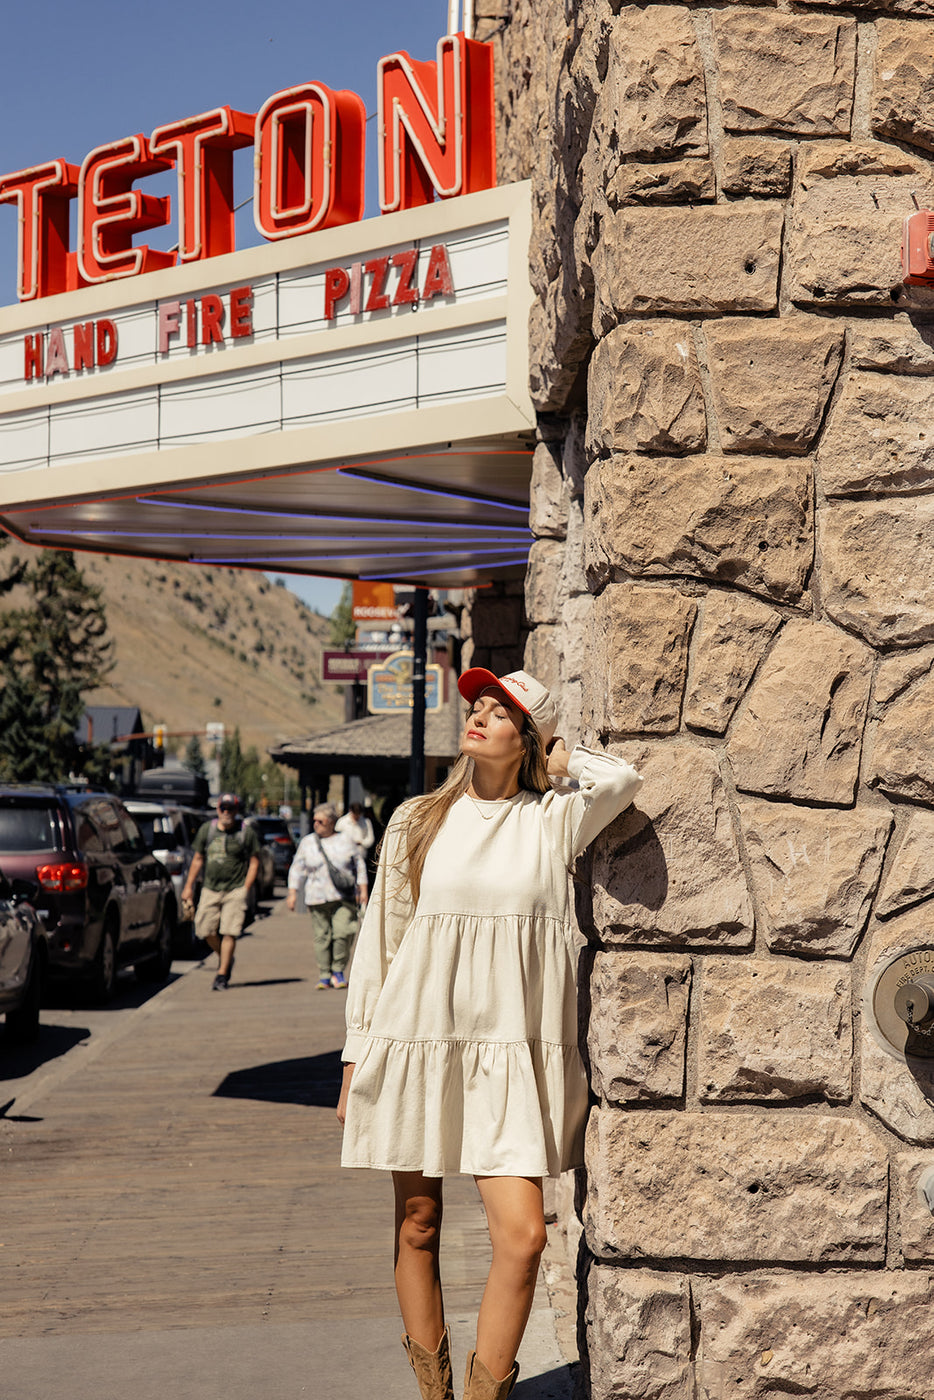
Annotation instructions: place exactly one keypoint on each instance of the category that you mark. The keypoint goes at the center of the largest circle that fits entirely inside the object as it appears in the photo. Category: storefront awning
(326, 439)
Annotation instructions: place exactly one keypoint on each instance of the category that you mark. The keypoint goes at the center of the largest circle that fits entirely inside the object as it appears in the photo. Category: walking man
(228, 853)
(329, 865)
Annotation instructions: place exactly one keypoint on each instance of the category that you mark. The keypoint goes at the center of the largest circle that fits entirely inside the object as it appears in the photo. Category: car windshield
(27, 826)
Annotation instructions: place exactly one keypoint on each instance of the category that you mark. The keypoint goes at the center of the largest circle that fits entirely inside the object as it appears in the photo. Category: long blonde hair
(425, 815)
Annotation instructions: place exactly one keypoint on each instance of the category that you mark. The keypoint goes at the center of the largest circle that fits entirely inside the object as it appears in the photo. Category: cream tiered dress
(462, 1010)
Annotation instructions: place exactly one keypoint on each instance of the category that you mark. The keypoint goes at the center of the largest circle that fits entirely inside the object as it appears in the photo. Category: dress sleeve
(387, 917)
(606, 786)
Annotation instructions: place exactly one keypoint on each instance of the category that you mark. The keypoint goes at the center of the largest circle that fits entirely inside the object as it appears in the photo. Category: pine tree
(52, 649)
(343, 627)
(194, 758)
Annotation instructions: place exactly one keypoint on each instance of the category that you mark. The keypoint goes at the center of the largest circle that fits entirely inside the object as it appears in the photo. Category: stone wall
(732, 584)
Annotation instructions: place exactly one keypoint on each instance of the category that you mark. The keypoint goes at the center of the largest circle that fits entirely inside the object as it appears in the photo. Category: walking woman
(461, 1053)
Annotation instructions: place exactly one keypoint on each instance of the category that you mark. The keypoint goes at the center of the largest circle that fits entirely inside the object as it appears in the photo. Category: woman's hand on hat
(557, 758)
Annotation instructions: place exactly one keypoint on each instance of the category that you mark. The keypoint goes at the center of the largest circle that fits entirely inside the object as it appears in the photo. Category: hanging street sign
(389, 685)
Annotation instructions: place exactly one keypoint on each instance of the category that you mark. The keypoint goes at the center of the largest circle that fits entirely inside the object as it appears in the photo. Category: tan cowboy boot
(480, 1385)
(432, 1368)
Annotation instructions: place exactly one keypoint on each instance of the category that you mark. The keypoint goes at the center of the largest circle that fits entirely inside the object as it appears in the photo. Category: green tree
(231, 763)
(194, 758)
(343, 627)
(53, 648)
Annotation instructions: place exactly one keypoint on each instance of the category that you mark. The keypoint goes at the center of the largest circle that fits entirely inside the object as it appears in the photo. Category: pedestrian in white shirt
(330, 869)
(357, 825)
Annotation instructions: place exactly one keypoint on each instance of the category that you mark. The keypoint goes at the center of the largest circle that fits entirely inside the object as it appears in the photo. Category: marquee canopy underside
(450, 516)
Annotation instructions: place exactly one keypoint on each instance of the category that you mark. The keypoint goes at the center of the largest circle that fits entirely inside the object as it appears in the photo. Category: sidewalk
(175, 1223)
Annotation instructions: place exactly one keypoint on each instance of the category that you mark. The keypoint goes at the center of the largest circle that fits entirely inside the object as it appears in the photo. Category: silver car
(169, 832)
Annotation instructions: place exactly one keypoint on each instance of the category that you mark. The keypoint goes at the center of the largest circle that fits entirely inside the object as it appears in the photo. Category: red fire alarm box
(918, 249)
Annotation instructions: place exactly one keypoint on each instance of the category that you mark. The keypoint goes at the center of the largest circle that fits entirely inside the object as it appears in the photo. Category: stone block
(754, 165)
(638, 658)
(687, 261)
(644, 391)
(496, 622)
(814, 878)
(903, 82)
(829, 1336)
(910, 877)
(900, 1092)
(879, 436)
(739, 520)
(548, 502)
(574, 577)
(774, 1031)
(543, 657)
(638, 1025)
(575, 621)
(800, 732)
(916, 1223)
(793, 73)
(668, 182)
(668, 871)
(771, 381)
(902, 760)
(638, 1326)
(542, 579)
(653, 100)
(898, 347)
(729, 642)
(895, 673)
(844, 232)
(751, 1187)
(878, 568)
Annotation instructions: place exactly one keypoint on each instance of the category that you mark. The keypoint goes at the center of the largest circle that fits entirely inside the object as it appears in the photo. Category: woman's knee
(420, 1223)
(523, 1241)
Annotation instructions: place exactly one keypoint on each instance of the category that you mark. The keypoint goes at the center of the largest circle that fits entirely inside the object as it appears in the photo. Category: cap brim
(478, 679)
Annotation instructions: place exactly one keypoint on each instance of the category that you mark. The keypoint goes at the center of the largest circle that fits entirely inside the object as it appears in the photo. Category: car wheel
(22, 1025)
(104, 974)
(157, 969)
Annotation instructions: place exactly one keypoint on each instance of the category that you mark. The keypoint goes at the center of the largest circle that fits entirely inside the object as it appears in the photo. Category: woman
(461, 1052)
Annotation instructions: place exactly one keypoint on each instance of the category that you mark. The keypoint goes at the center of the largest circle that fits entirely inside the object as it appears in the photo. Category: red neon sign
(437, 137)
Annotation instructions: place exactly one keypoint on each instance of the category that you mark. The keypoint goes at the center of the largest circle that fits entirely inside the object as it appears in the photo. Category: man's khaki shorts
(221, 912)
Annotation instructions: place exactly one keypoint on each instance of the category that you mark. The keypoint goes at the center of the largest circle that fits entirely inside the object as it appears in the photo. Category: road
(175, 1223)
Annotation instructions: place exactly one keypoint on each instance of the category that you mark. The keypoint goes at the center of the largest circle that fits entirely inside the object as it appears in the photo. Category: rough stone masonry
(733, 585)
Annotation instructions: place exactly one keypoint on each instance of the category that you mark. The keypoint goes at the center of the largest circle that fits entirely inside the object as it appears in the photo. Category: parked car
(24, 955)
(169, 832)
(275, 834)
(104, 899)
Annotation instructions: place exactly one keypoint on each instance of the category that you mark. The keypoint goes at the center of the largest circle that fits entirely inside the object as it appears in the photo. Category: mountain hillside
(195, 645)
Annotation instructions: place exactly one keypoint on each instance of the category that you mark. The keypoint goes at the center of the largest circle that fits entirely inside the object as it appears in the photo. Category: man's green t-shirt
(227, 855)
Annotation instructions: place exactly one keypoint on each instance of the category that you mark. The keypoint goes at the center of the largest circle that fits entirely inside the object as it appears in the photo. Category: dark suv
(105, 900)
(274, 833)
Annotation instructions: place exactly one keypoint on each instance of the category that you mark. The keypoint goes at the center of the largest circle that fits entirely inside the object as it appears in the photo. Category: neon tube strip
(350, 554)
(457, 569)
(431, 490)
(317, 515)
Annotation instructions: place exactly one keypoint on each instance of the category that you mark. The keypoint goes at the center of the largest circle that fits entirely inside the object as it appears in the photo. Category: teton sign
(436, 137)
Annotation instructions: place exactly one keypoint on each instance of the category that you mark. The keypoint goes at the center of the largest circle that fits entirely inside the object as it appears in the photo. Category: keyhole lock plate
(902, 1005)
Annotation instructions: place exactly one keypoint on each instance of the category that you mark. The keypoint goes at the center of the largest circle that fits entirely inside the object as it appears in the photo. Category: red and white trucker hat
(522, 689)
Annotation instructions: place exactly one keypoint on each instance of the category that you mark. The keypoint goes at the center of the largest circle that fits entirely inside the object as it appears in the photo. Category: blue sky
(77, 76)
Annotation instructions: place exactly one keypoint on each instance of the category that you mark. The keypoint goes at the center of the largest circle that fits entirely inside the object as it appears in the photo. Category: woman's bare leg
(417, 1271)
(516, 1217)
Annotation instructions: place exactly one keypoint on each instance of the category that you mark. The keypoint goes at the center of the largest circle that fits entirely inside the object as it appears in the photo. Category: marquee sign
(436, 137)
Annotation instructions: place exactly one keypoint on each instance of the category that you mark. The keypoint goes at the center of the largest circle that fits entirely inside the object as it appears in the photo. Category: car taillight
(63, 879)
(283, 840)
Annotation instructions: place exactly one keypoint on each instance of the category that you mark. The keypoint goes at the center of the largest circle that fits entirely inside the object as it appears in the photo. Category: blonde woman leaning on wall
(461, 1052)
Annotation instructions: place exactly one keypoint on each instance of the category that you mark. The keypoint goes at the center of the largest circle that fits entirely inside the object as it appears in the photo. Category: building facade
(733, 585)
